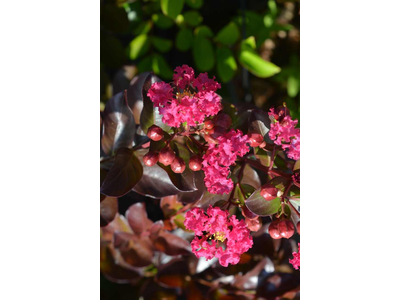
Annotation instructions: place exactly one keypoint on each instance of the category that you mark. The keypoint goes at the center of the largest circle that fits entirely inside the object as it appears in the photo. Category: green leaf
(263, 156)
(203, 31)
(161, 67)
(293, 86)
(162, 45)
(272, 7)
(193, 17)
(145, 64)
(194, 3)
(184, 39)
(250, 60)
(203, 54)
(139, 46)
(143, 28)
(162, 21)
(172, 8)
(259, 206)
(228, 35)
(226, 64)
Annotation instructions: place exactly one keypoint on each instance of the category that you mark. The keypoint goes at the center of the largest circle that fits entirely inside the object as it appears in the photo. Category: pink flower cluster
(189, 100)
(285, 131)
(219, 157)
(296, 259)
(225, 237)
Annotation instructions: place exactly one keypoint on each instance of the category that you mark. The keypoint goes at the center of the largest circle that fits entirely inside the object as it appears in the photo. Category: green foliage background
(210, 36)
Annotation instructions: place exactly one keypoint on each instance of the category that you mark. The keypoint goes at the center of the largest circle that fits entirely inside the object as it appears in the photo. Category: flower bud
(150, 159)
(195, 163)
(178, 165)
(269, 192)
(155, 133)
(298, 227)
(253, 224)
(274, 231)
(223, 120)
(208, 124)
(166, 156)
(256, 139)
(286, 228)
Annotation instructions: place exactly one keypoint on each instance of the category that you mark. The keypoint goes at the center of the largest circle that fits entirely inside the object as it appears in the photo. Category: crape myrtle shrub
(199, 199)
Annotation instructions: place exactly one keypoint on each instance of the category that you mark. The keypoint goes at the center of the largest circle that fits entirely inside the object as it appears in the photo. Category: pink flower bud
(195, 163)
(166, 156)
(269, 192)
(150, 159)
(178, 165)
(217, 131)
(274, 231)
(253, 224)
(208, 124)
(155, 133)
(256, 139)
(286, 228)
(223, 120)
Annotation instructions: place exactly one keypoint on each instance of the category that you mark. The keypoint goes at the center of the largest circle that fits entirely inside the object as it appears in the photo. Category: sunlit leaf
(139, 46)
(172, 8)
(137, 218)
(251, 60)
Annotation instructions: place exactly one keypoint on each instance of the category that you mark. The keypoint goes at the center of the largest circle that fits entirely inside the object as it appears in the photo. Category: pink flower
(160, 93)
(218, 235)
(219, 157)
(284, 133)
(183, 76)
(186, 105)
(296, 259)
(202, 82)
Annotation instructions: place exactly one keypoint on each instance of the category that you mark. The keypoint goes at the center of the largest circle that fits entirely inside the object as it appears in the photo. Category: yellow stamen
(219, 236)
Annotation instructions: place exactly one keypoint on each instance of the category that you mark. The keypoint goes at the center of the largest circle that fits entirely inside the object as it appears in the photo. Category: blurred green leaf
(254, 22)
(161, 67)
(145, 64)
(194, 3)
(226, 64)
(293, 86)
(203, 31)
(143, 28)
(139, 46)
(184, 39)
(162, 45)
(272, 7)
(250, 59)
(193, 17)
(172, 8)
(162, 21)
(203, 54)
(228, 35)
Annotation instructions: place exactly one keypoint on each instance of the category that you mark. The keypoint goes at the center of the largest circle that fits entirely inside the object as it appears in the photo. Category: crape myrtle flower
(296, 259)
(189, 99)
(219, 157)
(218, 235)
(284, 134)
